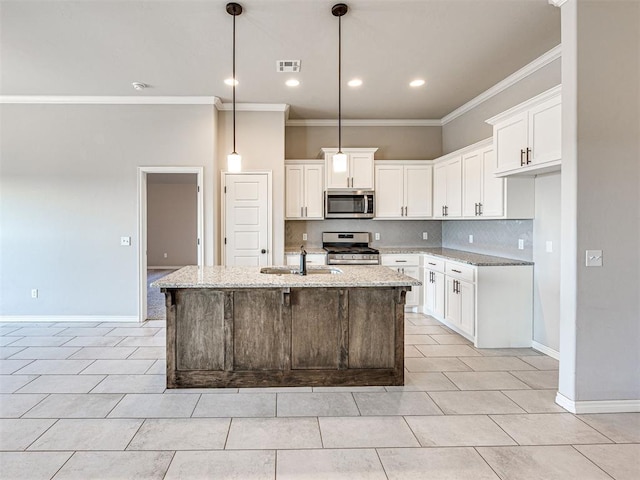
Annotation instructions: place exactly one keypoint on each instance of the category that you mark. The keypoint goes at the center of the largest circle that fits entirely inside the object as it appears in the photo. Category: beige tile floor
(88, 401)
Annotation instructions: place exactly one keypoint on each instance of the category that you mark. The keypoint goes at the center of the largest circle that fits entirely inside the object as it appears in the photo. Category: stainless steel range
(349, 248)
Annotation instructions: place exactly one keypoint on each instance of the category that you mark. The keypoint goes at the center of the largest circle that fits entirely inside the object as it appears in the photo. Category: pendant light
(234, 160)
(339, 160)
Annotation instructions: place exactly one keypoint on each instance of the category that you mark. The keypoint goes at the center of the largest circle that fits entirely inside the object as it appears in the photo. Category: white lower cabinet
(408, 265)
(490, 305)
(312, 259)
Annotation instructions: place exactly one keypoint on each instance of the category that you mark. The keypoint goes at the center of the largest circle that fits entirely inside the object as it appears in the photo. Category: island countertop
(250, 277)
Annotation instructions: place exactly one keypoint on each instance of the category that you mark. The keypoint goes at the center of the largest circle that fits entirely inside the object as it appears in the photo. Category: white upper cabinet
(482, 192)
(528, 137)
(359, 174)
(403, 190)
(304, 190)
(447, 188)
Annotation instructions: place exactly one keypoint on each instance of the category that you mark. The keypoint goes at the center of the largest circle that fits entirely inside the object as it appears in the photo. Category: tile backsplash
(393, 233)
(490, 237)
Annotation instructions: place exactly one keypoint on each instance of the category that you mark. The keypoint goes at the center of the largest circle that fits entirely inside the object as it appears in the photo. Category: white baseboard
(598, 406)
(168, 267)
(68, 318)
(546, 350)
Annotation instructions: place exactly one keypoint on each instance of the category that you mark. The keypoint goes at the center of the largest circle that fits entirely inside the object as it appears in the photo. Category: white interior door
(246, 219)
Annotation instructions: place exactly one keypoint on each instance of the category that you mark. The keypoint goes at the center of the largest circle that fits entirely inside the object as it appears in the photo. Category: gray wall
(600, 330)
(471, 127)
(392, 233)
(68, 192)
(260, 141)
(490, 237)
(172, 222)
(546, 286)
(394, 143)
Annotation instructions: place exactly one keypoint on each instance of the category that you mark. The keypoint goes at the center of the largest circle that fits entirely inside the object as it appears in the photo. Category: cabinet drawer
(312, 259)
(461, 271)
(400, 260)
(433, 263)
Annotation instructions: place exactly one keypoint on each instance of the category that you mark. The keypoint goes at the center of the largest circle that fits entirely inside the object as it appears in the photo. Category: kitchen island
(238, 327)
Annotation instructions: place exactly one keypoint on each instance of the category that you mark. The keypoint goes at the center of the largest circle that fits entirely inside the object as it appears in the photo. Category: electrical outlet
(34, 293)
(520, 244)
(304, 237)
(377, 236)
(470, 238)
(125, 241)
(549, 246)
(425, 235)
(165, 255)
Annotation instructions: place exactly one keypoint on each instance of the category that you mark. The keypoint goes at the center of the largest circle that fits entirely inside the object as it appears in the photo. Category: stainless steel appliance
(349, 204)
(349, 248)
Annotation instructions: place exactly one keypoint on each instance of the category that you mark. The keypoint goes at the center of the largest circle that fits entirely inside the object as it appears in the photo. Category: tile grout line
(592, 462)
(487, 462)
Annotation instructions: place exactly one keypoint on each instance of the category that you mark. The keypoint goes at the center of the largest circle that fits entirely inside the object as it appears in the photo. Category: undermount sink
(296, 271)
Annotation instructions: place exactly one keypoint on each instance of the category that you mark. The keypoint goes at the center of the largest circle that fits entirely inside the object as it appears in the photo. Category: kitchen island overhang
(236, 327)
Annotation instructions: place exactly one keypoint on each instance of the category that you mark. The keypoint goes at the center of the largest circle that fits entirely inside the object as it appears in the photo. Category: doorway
(170, 225)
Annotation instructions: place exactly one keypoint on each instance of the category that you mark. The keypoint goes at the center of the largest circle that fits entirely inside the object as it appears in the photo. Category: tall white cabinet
(403, 190)
(304, 190)
(359, 174)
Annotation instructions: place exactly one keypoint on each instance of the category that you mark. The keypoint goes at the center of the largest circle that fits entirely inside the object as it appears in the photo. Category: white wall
(546, 270)
(600, 308)
(260, 141)
(68, 192)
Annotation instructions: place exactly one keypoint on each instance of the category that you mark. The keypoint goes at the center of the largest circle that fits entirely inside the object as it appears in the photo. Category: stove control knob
(354, 257)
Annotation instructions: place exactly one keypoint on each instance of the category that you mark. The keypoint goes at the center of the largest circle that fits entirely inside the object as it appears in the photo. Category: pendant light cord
(234, 84)
(340, 84)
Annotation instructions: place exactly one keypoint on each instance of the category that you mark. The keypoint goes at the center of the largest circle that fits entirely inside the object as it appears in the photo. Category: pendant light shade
(339, 160)
(234, 160)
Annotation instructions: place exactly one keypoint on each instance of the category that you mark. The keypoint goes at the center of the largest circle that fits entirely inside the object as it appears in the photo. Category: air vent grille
(288, 66)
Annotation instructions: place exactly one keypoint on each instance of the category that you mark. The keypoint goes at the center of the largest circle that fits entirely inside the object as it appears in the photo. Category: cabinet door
(467, 307)
(545, 131)
(314, 191)
(417, 191)
(492, 203)
(438, 294)
(454, 188)
(471, 183)
(389, 191)
(510, 137)
(453, 306)
(413, 297)
(336, 179)
(361, 170)
(439, 189)
(294, 191)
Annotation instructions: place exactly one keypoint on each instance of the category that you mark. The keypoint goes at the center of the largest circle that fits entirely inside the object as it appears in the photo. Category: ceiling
(183, 48)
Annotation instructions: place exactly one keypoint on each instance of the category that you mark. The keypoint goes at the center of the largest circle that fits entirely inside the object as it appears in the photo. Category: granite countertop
(476, 259)
(250, 277)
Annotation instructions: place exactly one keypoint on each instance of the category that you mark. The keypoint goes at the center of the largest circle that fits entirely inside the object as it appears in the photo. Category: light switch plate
(425, 235)
(304, 236)
(377, 236)
(520, 244)
(470, 238)
(593, 258)
(549, 246)
(125, 241)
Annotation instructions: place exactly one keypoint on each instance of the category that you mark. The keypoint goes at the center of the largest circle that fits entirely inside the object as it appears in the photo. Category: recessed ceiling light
(292, 82)
(231, 82)
(417, 83)
(356, 82)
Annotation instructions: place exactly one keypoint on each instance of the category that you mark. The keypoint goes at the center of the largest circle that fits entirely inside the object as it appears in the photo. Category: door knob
(263, 251)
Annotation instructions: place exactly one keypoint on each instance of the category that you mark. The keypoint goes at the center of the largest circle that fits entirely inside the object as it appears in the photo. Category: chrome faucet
(303, 261)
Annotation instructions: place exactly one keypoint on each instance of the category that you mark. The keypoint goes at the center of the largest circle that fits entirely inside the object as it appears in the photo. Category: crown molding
(330, 122)
(557, 3)
(537, 64)
(254, 107)
(106, 100)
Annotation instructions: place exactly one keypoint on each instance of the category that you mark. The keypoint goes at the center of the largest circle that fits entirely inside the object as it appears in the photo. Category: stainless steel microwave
(349, 204)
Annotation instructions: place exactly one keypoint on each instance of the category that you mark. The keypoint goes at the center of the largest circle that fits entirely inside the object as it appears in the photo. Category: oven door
(348, 204)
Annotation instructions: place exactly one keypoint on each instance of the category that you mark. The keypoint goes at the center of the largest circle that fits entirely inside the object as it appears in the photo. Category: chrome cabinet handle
(522, 160)
(431, 263)
(306, 211)
(479, 208)
(454, 270)
(302, 211)
(528, 156)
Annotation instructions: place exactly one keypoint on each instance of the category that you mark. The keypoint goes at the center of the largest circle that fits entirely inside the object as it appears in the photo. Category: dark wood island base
(268, 337)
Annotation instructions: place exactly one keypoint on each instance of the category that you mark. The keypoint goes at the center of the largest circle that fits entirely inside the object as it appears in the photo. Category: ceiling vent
(288, 66)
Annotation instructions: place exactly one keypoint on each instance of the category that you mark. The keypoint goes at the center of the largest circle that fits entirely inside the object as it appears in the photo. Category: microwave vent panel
(288, 66)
